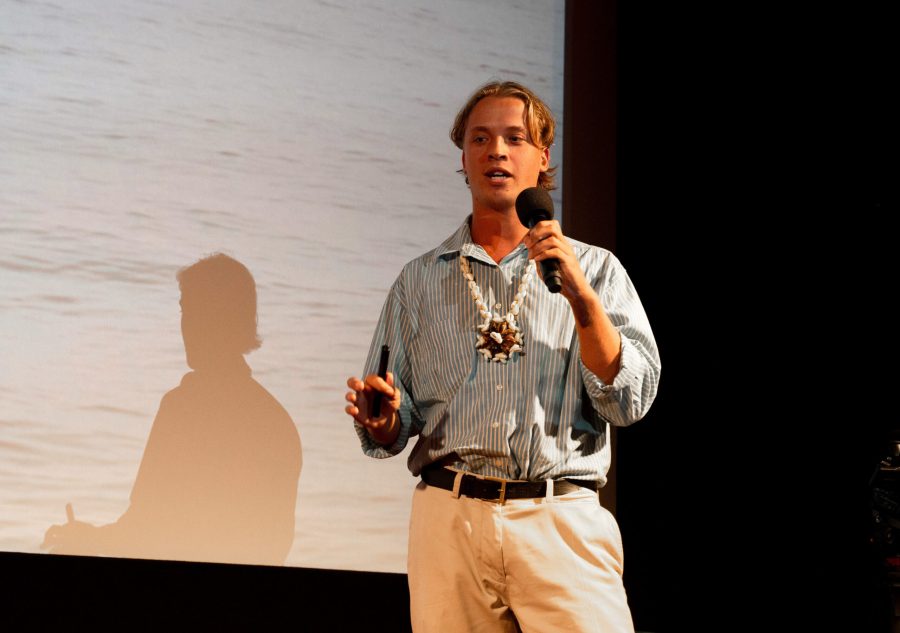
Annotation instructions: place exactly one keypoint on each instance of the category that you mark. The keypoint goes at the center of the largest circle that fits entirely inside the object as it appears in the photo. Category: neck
(218, 362)
(498, 233)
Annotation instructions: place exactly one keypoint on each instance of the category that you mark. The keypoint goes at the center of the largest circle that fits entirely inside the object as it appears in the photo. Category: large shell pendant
(499, 338)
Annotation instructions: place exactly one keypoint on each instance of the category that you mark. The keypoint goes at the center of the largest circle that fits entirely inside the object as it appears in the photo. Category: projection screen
(307, 140)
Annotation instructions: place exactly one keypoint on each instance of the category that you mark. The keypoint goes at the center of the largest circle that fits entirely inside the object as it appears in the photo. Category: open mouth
(497, 175)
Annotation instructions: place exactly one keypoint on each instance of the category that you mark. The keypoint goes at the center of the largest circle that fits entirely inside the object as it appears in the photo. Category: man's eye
(517, 139)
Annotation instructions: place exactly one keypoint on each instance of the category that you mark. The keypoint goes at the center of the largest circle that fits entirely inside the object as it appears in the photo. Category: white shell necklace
(499, 336)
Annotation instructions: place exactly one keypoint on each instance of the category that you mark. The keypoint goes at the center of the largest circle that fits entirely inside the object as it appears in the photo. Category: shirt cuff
(607, 398)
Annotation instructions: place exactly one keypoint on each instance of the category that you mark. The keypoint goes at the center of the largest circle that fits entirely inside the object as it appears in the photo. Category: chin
(499, 200)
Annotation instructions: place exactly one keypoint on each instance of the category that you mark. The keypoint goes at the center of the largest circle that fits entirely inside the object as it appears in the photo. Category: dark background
(753, 175)
(737, 163)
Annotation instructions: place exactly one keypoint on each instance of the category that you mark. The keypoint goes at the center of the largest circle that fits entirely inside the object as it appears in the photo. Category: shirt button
(498, 462)
(496, 425)
(499, 387)
(497, 305)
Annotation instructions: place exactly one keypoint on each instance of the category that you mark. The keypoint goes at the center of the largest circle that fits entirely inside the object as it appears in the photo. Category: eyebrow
(512, 128)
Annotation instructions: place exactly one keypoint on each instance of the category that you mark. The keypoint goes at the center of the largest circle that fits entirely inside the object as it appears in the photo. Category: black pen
(382, 373)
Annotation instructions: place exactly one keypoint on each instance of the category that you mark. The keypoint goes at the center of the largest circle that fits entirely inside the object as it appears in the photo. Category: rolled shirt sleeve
(628, 398)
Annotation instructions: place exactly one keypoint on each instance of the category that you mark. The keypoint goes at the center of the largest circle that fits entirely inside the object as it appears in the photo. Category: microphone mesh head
(534, 205)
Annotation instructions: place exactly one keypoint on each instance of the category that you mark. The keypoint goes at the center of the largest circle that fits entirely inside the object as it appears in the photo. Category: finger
(545, 249)
(355, 383)
(542, 238)
(374, 423)
(356, 414)
(543, 230)
(380, 384)
(394, 396)
(552, 252)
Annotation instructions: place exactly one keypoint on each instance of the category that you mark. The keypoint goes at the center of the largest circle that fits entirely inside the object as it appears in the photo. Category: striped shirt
(540, 415)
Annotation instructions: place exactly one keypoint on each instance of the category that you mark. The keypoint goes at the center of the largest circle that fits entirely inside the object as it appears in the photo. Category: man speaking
(509, 386)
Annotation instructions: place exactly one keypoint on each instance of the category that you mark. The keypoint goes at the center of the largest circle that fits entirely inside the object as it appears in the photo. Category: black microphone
(534, 205)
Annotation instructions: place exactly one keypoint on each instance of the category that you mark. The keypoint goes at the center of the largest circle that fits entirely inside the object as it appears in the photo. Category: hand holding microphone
(534, 205)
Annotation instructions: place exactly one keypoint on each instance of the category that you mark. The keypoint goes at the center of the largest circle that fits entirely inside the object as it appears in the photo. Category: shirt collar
(461, 242)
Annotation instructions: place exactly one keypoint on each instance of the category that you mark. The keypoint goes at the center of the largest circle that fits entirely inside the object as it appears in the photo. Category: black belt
(493, 489)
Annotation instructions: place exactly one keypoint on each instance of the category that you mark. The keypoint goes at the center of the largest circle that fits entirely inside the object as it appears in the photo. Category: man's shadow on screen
(218, 479)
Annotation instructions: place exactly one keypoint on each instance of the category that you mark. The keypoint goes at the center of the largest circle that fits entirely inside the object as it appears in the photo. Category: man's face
(201, 331)
(499, 157)
(190, 332)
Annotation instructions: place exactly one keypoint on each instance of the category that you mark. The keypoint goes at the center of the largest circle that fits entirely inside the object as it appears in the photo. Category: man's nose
(498, 148)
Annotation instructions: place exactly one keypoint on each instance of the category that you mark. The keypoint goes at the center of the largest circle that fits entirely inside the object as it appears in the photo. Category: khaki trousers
(544, 565)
